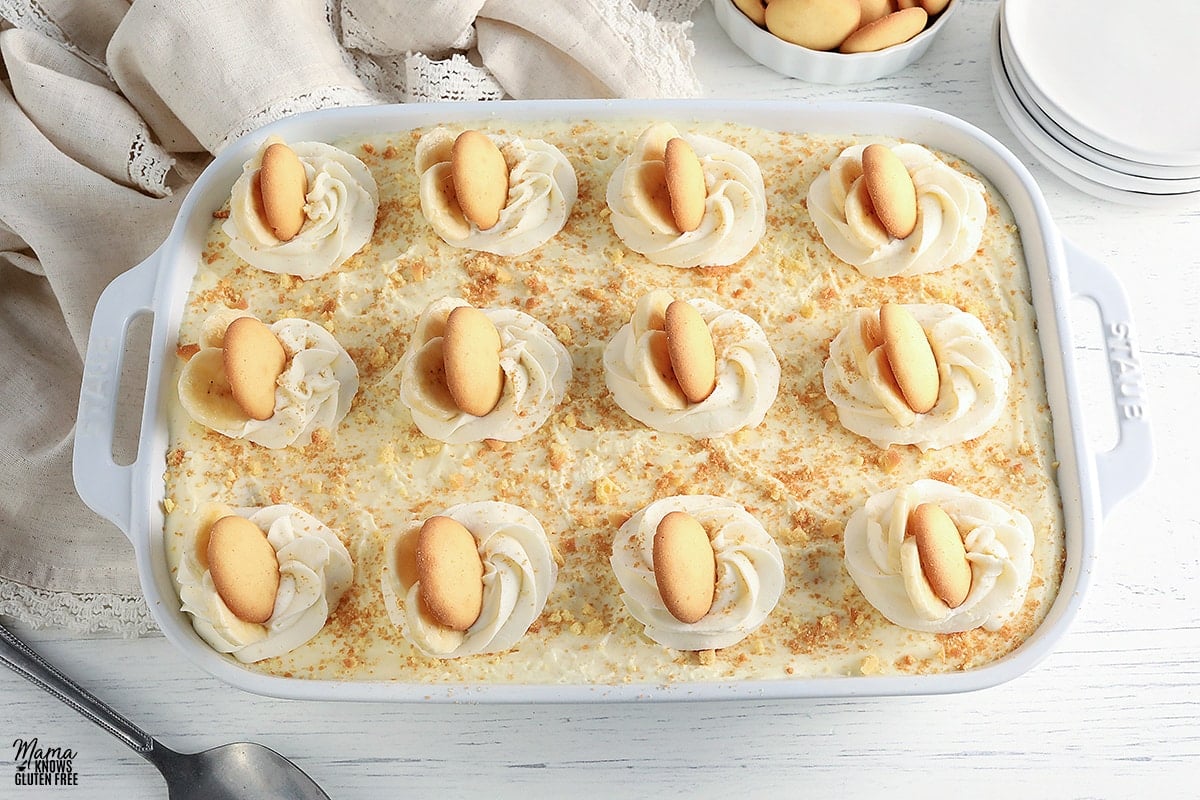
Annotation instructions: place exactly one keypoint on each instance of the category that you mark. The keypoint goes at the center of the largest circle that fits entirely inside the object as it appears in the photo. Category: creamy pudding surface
(590, 466)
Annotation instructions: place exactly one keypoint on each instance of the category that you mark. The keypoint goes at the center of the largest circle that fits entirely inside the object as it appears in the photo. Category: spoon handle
(21, 659)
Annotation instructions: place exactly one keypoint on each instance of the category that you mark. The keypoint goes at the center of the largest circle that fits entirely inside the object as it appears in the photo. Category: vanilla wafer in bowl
(813, 30)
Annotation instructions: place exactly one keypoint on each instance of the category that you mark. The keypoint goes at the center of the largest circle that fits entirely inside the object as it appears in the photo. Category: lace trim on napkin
(656, 32)
(356, 35)
(83, 613)
(29, 15)
(410, 77)
(453, 78)
(671, 10)
(416, 78)
(672, 63)
(149, 163)
(325, 97)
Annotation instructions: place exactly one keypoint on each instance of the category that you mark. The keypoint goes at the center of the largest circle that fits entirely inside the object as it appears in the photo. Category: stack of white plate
(1106, 93)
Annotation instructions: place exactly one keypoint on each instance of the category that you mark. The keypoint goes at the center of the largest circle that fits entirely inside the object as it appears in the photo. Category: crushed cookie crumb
(870, 665)
(605, 490)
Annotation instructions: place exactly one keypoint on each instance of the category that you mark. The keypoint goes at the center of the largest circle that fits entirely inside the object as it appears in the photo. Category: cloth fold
(109, 109)
(81, 111)
(285, 60)
(534, 54)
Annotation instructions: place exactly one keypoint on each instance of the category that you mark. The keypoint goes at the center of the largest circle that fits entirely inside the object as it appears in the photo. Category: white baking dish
(1091, 482)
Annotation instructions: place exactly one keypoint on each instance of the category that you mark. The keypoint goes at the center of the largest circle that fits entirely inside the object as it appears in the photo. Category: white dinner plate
(1117, 75)
(1034, 127)
(1016, 77)
(1049, 153)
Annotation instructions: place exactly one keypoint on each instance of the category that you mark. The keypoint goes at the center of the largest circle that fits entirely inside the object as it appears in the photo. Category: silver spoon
(230, 772)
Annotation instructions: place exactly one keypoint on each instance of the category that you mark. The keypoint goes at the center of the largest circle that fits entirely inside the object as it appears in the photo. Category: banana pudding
(584, 472)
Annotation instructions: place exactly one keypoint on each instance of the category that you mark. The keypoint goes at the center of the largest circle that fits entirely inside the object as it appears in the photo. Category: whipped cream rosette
(536, 366)
(315, 570)
(973, 381)
(735, 205)
(886, 565)
(314, 391)
(951, 212)
(542, 189)
(750, 575)
(519, 571)
(340, 205)
(747, 371)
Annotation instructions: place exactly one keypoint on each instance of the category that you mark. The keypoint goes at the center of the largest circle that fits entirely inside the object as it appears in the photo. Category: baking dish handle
(103, 484)
(1129, 463)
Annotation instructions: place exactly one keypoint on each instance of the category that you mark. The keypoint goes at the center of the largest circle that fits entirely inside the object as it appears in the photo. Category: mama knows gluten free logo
(43, 766)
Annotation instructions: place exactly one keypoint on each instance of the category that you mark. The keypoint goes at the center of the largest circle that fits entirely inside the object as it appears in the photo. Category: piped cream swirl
(749, 573)
(734, 210)
(747, 372)
(315, 570)
(537, 369)
(542, 189)
(340, 208)
(973, 377)
(951, 212)
(315, 391)
(887, 569)
(519, 571)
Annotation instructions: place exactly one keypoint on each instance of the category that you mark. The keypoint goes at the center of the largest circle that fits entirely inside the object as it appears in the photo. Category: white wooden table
(1114, 711)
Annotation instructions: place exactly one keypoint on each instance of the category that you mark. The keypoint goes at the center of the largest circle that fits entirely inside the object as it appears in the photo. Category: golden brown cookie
(933, 7)
(244, 568)
(690, 346)
(756, 10)
(893, 194)
(253, 359)
(942, 553)
(480, 178)
(471, 357)
(685, 184)
(685, 567)
(874, 9)
(910, 356)
(450, 572)
(815, 24)
(888, 31)
(283, 187)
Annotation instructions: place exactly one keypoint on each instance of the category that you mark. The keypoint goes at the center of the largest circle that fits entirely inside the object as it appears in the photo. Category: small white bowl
(818, 66)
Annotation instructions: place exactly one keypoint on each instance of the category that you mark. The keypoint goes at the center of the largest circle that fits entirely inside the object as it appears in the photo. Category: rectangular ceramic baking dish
(1091, 482)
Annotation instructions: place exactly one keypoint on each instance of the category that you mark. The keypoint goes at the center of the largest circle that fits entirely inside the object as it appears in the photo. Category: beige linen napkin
(554, 48)
(109, 109)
